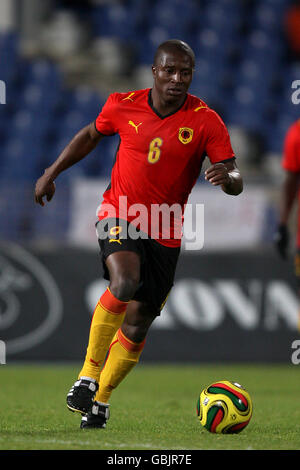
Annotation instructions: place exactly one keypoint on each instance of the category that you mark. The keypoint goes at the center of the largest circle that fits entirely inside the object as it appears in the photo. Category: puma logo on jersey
(129, 97)
(136, 126)
(199, 107)
(115, 240)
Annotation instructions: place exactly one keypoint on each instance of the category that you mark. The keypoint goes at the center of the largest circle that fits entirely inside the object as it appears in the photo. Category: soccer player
(289, 193)
(165, 134)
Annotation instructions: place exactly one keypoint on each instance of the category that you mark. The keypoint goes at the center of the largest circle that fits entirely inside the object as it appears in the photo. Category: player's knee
(124, 288)
(137, 323)
(136, 333)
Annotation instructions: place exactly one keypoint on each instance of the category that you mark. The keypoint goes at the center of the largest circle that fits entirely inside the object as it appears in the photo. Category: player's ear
(154, 71)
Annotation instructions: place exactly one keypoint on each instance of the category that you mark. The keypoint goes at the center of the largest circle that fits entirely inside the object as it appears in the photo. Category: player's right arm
(80, 146)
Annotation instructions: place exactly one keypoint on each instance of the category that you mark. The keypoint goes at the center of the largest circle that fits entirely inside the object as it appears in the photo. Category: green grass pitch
(153, 409)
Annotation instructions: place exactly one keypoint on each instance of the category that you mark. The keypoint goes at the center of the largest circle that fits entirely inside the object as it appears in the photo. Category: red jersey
(291, 151)
(159, 158)
(291, 159)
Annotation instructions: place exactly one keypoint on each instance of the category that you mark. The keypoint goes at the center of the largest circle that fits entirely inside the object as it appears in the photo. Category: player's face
(173, 76)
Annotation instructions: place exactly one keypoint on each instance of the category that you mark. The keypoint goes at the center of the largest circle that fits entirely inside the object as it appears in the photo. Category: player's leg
(123, 354)
(157, 276)
(124, 273)
(126, 348)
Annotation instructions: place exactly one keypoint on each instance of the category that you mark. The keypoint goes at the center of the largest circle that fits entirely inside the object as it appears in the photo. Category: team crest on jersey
(185, 135)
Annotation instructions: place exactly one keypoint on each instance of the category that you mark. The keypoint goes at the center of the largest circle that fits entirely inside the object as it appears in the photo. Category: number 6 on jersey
(154, 150)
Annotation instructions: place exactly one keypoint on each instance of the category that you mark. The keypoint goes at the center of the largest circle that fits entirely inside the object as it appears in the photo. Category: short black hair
(174, 45)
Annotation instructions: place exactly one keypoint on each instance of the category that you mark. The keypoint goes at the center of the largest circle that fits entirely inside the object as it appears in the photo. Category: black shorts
(158, 262)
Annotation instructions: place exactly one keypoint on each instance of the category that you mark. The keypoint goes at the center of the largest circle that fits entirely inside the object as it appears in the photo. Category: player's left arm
(226, 175)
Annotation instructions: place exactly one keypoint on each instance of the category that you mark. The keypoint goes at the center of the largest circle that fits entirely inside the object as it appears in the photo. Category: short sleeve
(106, 122)
(218, 146)
(291, 149)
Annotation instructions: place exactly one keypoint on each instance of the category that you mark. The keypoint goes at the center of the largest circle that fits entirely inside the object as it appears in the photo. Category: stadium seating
(16, 202)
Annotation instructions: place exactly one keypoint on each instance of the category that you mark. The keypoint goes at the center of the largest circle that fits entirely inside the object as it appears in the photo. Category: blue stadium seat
(262, 47)
(140, 10)
(13, 95)
(165, 14)
(209, 71)
(44, 72)
(268, 17)
(290, 73)
(230, 4)
(275, 134)
(71, 123)
(210, 46)
(284, 121)
(22, 159)
(16, 202)
(87, 102)
(106, 154)
(88, 166)
(52, 221)
(291, 109)
(56, 146)
(248, 120)
(245, 110)
(27, 125)
(224, 18)
(114, 20)
(257, 79)
(23, 72)
(209, 82)
(279, 6)
(147, 45)
(5, 118)
(209, 93)
(9, 44)
(38, 99)
(250, 72)
(163, 27)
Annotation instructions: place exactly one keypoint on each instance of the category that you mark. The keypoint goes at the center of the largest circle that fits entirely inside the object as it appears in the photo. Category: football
(224, 407)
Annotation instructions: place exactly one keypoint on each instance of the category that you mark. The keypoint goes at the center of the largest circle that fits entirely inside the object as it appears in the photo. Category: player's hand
(218, 174)
(44, 187)
(281, 240)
